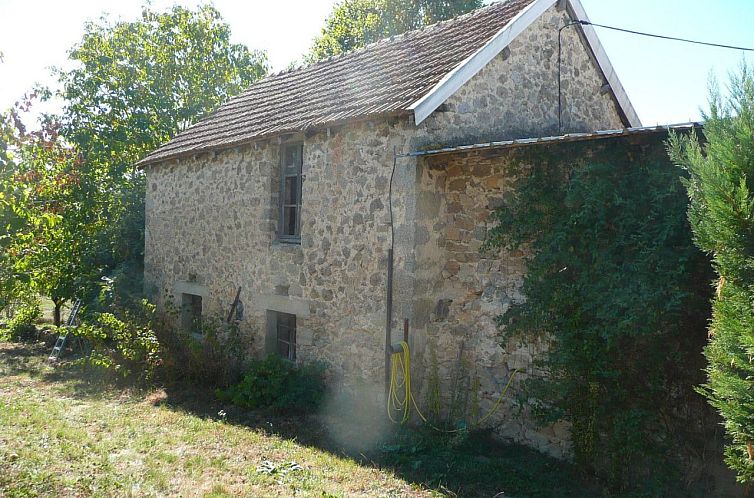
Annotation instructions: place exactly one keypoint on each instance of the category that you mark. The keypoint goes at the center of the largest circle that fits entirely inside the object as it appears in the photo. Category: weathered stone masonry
(464, 290)
(212, 223)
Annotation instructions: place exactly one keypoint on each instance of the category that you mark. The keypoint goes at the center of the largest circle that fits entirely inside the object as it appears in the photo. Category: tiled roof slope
(385, 77)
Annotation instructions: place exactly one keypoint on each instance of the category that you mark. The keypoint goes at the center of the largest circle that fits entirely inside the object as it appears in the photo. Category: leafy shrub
(22, 327)
(214, 356)
(123, 287)
(278, 384)
(125, 346)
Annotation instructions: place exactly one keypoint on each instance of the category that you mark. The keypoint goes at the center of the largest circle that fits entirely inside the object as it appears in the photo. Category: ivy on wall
(617, 286)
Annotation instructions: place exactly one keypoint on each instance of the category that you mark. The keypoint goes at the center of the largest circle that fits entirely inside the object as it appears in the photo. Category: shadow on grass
(23, 358)
(31, 359)
(468, 464)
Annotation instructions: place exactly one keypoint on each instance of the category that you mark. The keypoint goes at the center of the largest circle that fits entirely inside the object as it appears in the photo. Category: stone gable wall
(516, 94)
(213, 219)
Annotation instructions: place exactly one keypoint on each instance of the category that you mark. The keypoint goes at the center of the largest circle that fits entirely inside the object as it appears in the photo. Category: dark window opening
(191, 313)
(290, 193)
(286, 335)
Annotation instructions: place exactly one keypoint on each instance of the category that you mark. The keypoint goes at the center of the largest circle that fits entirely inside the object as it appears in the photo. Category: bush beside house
(721, 190)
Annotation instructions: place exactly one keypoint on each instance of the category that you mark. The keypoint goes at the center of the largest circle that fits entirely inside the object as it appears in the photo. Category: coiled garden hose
(401, 397)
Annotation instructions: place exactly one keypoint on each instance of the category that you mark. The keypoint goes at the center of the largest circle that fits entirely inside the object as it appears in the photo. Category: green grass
(63, 435)
(48, 309)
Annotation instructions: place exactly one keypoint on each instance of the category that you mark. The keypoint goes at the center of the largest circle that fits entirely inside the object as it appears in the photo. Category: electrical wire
(665, 37)
(622, 30)
(389, 284)
(560, 76)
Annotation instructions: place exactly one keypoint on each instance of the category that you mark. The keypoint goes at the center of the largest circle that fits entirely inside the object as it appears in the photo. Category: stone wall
(463, 290)
(212, 226)
(457, 293)
(212, 221)
(516, 94)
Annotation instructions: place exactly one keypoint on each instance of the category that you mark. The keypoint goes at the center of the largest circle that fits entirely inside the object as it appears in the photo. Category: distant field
(48, 310)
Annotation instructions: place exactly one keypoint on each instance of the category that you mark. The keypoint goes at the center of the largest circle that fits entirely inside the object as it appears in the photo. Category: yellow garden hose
(401, 398)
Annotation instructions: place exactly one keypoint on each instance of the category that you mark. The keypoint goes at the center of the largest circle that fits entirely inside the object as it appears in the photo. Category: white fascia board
(466, 70)
(605, 65)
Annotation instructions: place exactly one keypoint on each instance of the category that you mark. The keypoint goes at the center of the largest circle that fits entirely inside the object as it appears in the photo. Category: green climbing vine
(617, 286)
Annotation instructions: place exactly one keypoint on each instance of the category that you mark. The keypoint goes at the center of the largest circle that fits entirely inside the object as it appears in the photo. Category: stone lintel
(182, 287)
(281, 304)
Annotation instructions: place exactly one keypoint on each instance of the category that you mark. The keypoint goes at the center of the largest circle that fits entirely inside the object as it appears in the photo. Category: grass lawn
(63, 435)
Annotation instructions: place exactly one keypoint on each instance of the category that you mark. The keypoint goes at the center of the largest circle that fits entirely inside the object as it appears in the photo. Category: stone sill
(286, 245)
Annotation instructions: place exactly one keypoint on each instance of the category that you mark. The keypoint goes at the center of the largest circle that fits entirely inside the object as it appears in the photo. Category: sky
(666, 81)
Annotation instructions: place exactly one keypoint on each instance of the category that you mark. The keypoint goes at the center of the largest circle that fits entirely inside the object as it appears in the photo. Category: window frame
(283, 321)
(192, 310)
(282, 205)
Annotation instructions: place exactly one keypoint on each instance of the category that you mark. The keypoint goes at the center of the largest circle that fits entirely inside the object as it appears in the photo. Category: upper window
(290, 193)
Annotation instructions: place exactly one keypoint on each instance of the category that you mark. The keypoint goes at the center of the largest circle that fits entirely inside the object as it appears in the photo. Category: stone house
(308, 193)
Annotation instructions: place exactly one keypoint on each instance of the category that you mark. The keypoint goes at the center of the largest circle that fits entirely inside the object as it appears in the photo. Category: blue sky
(666, 81)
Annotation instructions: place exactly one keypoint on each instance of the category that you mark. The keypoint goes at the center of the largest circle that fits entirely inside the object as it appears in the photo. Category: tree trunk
(56, 314)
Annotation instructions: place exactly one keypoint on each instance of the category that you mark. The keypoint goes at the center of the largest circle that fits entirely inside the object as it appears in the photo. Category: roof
(570, 137)
(413, 73)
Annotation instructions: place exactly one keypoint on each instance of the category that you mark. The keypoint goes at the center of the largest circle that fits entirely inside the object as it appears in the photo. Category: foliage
(477, 465)
(54, 244)
(124, 346)
(214, 356)
(614, 285)
(721, 190)
(26, 223)
(278, 384)
(136, 84)
(23, 326)
(71, 201)
(12, 202)
(352, 24)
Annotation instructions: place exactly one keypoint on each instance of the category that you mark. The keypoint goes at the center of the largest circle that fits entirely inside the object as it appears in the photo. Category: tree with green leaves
(133, 86)
(721, 190)
(353, 24)
(14, 202)
(48, 221)
(136, 84)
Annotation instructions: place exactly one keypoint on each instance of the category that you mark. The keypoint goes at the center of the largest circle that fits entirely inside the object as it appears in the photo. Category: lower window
(191, 313)
(285, 325)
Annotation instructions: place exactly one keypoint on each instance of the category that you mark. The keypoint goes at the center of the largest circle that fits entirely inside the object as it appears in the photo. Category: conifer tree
(721, 211)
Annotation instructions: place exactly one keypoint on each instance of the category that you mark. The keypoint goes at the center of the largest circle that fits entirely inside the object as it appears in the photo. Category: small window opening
(191, 313)
(286, 335)
(290, 193)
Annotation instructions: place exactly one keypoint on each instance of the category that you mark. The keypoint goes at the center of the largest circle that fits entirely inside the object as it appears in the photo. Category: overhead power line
(663, 37)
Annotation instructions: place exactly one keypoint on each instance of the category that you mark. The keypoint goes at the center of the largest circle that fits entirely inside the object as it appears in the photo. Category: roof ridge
(389, 39)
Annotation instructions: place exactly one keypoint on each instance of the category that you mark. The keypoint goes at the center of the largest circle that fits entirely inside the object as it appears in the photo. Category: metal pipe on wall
(388, 320)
